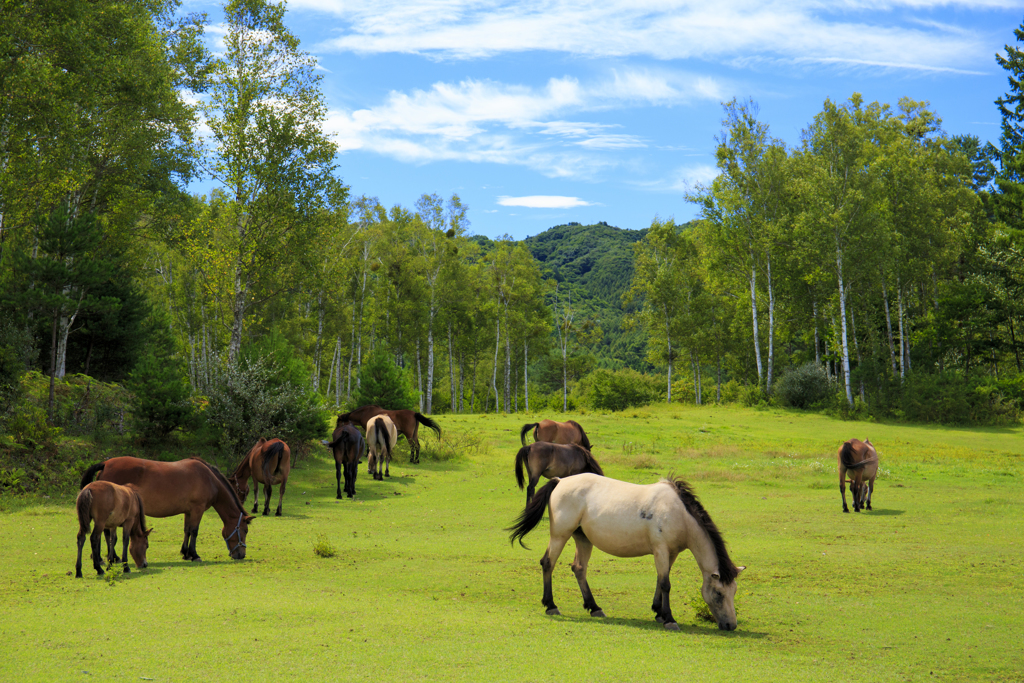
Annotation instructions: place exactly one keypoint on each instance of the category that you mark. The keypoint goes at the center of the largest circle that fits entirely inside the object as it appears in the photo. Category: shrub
(383, 383)
(619, 389)
(30, 428)
(804, 386)
(950, 398)
(161, 399)
(15, 350)
(323, 547)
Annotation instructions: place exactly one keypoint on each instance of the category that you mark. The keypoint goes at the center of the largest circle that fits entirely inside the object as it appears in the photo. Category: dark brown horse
(348, 447)
(860, 459)
(406, 422)
(268, 463)
(552, 460)
(111, 506)
(188, 487)
(556, 432)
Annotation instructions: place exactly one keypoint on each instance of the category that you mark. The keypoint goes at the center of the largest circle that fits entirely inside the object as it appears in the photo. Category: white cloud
(488, 121)
(682, 179)
(875, 32)
(544, 202)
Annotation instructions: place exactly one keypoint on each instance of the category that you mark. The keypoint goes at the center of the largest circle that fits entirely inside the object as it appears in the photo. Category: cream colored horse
(629, 520)
(381, 437)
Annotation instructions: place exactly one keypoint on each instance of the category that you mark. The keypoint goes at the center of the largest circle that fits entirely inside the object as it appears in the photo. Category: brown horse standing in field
(111, 506)
(348, 446)
(188, 487)
(268, 463)
(860, 459)
(556, 432)
(406, 422)
(382, 435)
(552, 460)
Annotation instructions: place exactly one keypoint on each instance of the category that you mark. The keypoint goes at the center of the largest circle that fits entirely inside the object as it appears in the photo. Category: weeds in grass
(323, 547)
(115, 572)
(701, 612)
(646, 461)
(453, 445)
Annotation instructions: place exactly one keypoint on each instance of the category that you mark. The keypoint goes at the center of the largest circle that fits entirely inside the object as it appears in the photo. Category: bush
(161, 400)
(383, 383)
(30, 428)
(804, 386)
(255, 398)
(950, 398)
(15, 351)
(619, 389)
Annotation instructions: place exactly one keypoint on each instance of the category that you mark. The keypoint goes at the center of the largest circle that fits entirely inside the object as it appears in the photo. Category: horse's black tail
(532, 514)
(846, 455)
(84, 507)
(277, 450)
(91, 473)
(523, 431)
(521, 456)
(424, 420)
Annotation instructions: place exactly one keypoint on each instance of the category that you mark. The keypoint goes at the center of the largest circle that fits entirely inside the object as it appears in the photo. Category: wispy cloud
(682, 179)
(872, 31)
(544, 202)
(488, 121)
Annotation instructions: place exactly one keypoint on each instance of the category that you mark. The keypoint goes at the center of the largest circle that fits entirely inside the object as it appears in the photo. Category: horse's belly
(633, 541)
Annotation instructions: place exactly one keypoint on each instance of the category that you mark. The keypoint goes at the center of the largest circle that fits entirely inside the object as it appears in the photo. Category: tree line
(881, 249)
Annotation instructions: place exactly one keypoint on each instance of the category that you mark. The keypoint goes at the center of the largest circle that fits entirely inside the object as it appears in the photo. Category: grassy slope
(427, 587)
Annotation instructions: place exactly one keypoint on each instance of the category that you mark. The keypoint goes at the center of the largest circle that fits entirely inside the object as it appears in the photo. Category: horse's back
(166, 488)
(112, 504)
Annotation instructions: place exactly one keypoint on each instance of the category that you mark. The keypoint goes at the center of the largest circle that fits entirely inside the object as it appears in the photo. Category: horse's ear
(148, 532)
(248, 519)
(739, 570)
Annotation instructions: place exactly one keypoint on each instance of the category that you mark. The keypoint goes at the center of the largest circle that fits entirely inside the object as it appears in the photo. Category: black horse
(348, 447)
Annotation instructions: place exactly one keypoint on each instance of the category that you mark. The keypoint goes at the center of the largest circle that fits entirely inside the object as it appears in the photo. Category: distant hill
(598, 261)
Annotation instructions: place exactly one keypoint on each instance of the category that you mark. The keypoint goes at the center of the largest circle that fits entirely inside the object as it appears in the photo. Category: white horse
(381, 437)
(629, 520)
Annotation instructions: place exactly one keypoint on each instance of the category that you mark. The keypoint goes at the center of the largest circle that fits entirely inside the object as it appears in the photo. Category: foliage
(161, 397)
(618, 389)
(804, 386)
(15, 350)
(322, 546)
(12, 479)
(255, 397)
(383, 383)
(30, 428)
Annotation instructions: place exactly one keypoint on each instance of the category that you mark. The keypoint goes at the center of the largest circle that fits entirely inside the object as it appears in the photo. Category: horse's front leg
(663, 610)
(124, 547)
(255, 494)
(579, 567)
(547, 563)
(842, 487)
(111, 536)
(280, 498)
(193, 555)
(267, 490)
(337, 474)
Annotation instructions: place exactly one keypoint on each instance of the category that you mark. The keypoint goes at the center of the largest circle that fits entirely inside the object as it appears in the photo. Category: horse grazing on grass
(552, 460)
(628, 520)
(556, 432)
(860, 459)
(382, 435)
(406, 422)
(111, 506)
(188, 487)
(268, 463)
(348, 447)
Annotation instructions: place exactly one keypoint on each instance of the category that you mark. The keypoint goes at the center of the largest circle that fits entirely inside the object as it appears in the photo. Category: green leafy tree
(383, 383)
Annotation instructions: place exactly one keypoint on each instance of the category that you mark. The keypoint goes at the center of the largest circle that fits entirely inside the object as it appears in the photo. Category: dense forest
(874, 269)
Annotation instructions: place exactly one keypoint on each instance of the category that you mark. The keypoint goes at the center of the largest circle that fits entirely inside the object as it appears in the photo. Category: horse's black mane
(726, 569)
(217, 473)
(584, 441)
(142, 510)
(592, 464)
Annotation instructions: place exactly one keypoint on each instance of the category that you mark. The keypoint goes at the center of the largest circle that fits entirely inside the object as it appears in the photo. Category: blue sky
(541, 112)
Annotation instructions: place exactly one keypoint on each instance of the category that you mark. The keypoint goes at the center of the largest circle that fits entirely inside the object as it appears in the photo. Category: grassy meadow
(425, 586)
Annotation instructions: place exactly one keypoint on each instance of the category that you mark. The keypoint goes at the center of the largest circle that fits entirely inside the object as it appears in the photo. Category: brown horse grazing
(406, 422)
(556, 432)
(348, 447)
(268, 463)
(860, 459)
(552, 460)
(382, 435)
(111, 506)
(188, 487)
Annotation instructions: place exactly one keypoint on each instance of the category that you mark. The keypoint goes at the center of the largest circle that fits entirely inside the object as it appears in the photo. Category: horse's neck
(225, 505)
(702, 547)
(243, 470)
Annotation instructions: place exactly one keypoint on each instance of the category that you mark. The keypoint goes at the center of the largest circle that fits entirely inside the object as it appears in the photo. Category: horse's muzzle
(726, 626)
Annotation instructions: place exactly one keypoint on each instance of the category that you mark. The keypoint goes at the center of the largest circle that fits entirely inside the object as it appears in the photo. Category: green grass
(425, 586)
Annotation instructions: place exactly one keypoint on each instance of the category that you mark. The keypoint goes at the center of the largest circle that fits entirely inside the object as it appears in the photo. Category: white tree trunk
(451, 365)
(668, 342)
(526, 378)
(771, 324)
(899, 300)
(753, 312)
(817, 351)
(494, 377)
(419, 375)
(430, 362)
(888, 327)
(842, 320)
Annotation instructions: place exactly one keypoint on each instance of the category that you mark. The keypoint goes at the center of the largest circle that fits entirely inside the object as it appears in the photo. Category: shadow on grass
(652, 625)
(882, 512)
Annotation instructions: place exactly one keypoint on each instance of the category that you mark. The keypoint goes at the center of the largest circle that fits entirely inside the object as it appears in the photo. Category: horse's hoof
(100, 572)
(672, 626)
(553, 612)
(598, 613)
(126, 569)
(197, 559)
(660, 619)
(845, 510)
(277, 514)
